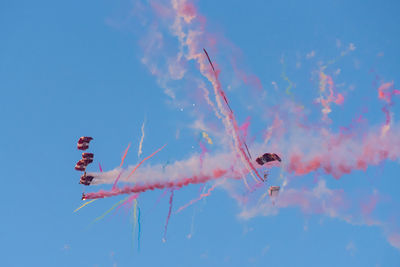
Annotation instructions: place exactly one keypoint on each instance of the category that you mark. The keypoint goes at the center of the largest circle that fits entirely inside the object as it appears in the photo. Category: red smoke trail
(169, 215)
(197, 199)
(339, 159)
(122, 162)
(139, 188)
(220, 91)
(158, 200)
(116, 180)
(124, 156)
(101, 170)
(140, 163)
(128, 201)
(232, 120)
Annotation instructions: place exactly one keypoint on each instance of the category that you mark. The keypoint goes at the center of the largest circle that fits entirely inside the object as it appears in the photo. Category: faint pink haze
(203, 152)
(188, 12)
(384, 93)
(394, 240)
(368, 207)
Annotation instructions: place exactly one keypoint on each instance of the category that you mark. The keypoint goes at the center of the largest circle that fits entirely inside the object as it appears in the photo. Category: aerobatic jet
(86, 179)
(87, 158)
(81, 165)
(268, 157)
(83, 142)
(87, 155)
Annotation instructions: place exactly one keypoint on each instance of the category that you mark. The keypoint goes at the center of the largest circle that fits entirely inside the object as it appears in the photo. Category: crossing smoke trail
(230, 122)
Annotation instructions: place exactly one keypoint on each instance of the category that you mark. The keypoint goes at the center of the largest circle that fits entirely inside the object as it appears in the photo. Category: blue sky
(75, 68)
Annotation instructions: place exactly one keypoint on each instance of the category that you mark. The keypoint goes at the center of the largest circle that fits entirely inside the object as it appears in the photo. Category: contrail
(141, 139)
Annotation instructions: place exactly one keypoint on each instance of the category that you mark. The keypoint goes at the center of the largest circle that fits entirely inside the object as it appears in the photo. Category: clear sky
(314, 81)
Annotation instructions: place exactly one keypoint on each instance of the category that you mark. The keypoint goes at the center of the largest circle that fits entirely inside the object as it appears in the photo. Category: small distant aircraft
(83, 142)
(81, 165)
(86, 179)
(87, 158)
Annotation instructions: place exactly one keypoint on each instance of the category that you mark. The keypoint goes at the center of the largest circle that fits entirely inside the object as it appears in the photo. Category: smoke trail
(141, 139)
(116, 180)
(124, 156)
(139, 188)
(134, 218)
(101, 170)
(140, 163)
(327, 95)
(137, 166)
(230, 121)
(128, 201)
(138, 228)
(197, 199)
(108, 211)
(169, 215)
(84, 204)
(122, 162)
(202, 189)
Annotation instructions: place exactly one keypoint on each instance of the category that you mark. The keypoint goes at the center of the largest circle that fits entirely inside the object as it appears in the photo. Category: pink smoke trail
(101, 170)
(203, 152)
(197, 199)
(231, 118)
(124, 156)
(128, 201)
(169, 215)
(116, 180)
(140, 163)
(137, 166)
(328, 96)
(139, 188)
(122, 162)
